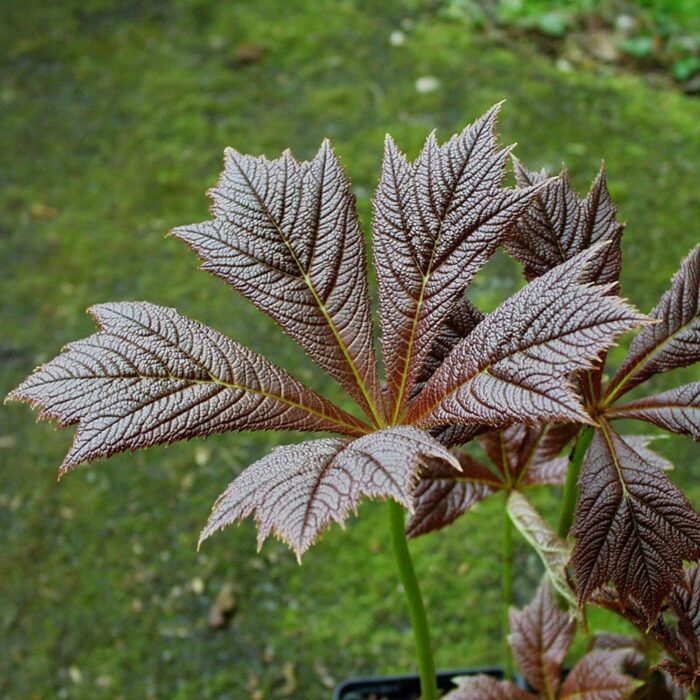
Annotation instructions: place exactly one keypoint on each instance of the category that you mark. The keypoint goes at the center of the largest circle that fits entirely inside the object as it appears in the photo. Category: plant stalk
(568, 505)
(507, 590)
(414, 601)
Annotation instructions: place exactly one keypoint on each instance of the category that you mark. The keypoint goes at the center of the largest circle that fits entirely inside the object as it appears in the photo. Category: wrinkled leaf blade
(297, 491)
(676, 410)
(151, 376)
(633, 526)
(514, 367)
(286, 235)
(672, 342)
(436, 222)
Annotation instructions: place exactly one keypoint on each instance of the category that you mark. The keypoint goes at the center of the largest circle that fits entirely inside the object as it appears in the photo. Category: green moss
(116, 119)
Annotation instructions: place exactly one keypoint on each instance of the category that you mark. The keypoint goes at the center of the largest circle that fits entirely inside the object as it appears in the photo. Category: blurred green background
(113, 120)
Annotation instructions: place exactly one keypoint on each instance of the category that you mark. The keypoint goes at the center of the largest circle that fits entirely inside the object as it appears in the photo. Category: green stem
(507, 591)
(414, 601)
(568, 505)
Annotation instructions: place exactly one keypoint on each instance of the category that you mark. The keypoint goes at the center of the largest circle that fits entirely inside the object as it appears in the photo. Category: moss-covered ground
(113, 122)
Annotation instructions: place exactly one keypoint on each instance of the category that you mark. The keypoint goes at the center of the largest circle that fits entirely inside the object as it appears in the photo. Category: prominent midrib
(646, 357)
(329, 320)
(421, 296)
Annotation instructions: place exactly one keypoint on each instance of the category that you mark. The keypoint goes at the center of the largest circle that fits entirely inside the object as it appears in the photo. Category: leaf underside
(633, 526)
(297, 491)
(151, 376)
(286, 235)
(552, 550)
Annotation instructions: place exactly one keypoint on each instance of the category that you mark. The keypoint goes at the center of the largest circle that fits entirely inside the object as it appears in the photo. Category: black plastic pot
(401, 687)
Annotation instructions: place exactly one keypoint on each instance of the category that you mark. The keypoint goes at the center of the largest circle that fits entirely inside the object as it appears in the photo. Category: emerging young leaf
(515, 365)
(486, 688)
(297, 491)
(541, 635)
(552, 550)
(633, 526)
(677, 410)
(558, 225)
(599, 676)
(436, 222)
(151, 376)
(286, 235)
(672, 342)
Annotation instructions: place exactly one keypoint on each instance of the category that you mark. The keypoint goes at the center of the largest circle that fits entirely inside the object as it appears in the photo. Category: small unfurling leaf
(552, 550)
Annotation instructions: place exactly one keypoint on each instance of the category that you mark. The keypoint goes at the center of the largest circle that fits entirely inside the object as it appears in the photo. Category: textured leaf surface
(151, 376)
(463, 319)
(633, 526)
(286, 235)
(552, 550)
(487, 688)
(677, 410)
(640, 444)
(297, 491)
(540, 637)
(436, 222)
(672, 342)
(559, 224)
(440, 499)
(599, 676)
(685, 604)
(514, 366)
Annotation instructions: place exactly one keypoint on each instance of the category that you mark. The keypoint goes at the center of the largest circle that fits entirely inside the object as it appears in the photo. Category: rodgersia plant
(285, 234)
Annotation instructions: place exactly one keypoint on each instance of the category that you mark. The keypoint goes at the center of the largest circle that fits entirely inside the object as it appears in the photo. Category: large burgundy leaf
(296, 491)
(559, 225)
(436, 222)
(487, 688)
(286, 235)
(633, 526)
(677, 410)
(672, 342)
(540, 637)
(514, 367)
(599, 676)
(151, 376)
(439, 498)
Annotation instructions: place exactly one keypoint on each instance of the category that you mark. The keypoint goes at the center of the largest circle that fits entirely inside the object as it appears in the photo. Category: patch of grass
(114, 118)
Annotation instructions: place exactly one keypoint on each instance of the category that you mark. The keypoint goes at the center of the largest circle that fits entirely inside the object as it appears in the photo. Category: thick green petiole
(507, 590)
(568, 505)
(414, 600)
